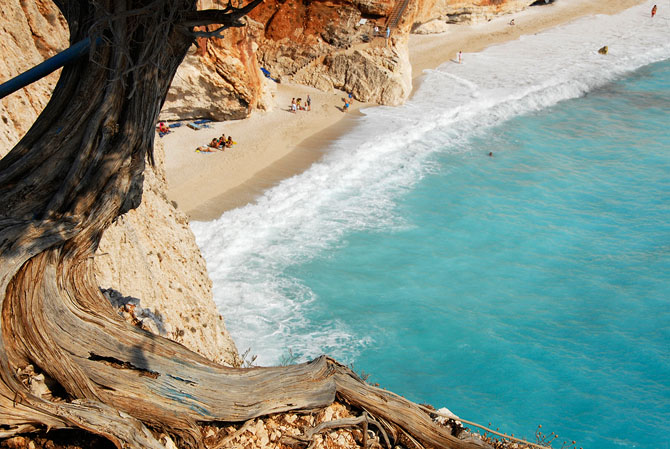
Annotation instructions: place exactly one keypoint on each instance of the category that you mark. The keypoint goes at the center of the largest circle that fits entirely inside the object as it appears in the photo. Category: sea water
(530, 287)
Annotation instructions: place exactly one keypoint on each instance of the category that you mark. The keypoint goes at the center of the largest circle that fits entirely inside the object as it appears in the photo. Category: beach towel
(201, 121)
(193, 126)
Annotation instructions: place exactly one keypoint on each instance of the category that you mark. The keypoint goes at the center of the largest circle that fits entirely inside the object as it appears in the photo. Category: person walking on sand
(309, 103)
(460, 57)
(653, 11)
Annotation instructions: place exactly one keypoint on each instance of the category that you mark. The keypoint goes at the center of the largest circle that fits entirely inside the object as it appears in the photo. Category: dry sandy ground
(277, 144)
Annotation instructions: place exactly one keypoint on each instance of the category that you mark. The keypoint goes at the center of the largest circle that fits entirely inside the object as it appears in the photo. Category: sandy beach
(276, 144)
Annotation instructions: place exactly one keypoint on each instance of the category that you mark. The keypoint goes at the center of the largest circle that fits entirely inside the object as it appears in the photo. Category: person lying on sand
(229, 142)
(203, 149)
(214, 143)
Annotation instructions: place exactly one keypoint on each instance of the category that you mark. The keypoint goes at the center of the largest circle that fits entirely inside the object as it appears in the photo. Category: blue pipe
(43, 69)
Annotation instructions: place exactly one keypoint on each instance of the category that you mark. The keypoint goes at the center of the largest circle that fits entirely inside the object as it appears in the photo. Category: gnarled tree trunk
(77, 169)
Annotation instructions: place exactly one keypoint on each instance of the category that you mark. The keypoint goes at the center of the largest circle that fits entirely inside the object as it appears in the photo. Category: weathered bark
(78, 168)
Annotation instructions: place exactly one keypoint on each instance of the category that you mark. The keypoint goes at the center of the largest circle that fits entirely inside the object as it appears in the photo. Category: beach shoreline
(277, 144)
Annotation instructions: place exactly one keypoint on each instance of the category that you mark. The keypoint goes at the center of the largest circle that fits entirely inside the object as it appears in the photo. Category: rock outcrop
(149, 256)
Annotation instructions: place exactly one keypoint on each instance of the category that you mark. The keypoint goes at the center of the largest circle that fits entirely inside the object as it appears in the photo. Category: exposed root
(309, 438)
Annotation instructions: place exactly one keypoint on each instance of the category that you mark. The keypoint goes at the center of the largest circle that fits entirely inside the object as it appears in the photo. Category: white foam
(248, 249)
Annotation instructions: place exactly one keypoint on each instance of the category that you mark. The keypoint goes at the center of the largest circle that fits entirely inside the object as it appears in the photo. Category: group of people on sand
(216, 144)
(348, 101)
(297, 104)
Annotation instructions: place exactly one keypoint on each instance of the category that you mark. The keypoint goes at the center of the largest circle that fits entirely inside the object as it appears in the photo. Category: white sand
(277, 144)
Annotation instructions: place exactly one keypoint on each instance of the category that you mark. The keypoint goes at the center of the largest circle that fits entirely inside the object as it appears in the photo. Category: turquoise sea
(530, 287)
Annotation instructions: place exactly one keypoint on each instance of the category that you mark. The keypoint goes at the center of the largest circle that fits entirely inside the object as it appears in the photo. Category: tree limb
(224, 16)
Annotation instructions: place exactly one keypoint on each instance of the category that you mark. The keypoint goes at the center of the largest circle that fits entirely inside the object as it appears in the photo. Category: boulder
(382, 75)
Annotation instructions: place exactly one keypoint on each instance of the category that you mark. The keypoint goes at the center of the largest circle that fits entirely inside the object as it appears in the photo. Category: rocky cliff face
(219, 79)
(333, 45)
(320, 43)
(148, 259)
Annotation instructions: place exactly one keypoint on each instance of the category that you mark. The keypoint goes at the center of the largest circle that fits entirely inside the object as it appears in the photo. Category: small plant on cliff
(289, 359)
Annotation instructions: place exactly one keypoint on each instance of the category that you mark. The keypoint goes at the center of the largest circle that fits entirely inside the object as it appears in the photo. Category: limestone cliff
(219, 79)
(30, 32)
(148, 258)
(319, 43)
(150, 255)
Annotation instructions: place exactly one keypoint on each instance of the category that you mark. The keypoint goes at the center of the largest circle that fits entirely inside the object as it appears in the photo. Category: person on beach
(309, 103)
(163, 128)
(511, 22)
(229, 142)
(388, 35)
(214, 143)
(298, 104)
(293, 105)
(653, 11)
(460, 56)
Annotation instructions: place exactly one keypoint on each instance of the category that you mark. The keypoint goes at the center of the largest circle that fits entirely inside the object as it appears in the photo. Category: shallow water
(527, 288)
